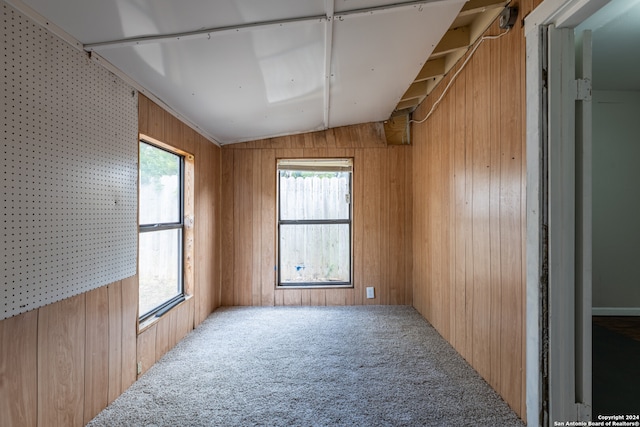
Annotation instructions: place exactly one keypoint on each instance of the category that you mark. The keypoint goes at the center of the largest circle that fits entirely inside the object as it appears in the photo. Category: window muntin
(161, 229)
(314, 222)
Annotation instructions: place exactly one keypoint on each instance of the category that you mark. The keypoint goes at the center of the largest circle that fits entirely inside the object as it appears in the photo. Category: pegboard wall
(69, 170)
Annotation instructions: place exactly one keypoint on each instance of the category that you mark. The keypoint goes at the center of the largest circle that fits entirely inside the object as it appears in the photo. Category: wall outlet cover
(370, 292)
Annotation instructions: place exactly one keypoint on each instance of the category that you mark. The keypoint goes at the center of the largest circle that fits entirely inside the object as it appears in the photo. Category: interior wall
(469, 211)
(159, 124)
(47, 212)
(616, 205)
(63, 363)
(381, 218)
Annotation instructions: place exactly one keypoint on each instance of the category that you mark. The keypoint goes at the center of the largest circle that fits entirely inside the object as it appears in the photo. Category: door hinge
(583, 89)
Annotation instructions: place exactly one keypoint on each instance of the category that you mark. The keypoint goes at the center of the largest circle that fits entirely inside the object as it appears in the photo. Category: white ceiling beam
(328, 46)
(390, 7)
(201, 34)
(209, 32)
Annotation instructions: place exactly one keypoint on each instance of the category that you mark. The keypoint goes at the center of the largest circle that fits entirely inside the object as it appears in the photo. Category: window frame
(178, 225)
(280, 222)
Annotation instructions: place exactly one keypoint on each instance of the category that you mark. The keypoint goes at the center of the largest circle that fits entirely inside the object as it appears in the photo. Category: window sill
(327, 286)
(148, 323)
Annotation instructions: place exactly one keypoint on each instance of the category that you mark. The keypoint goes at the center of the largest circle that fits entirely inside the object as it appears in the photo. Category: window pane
(314, 195)
(159, 186)
(159, 267)
(314, 253)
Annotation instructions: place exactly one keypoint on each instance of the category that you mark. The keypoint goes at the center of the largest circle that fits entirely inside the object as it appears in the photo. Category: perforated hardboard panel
(69, 154)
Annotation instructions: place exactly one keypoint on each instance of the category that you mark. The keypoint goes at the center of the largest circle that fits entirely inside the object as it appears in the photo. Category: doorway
(575, 234)
(615, 207)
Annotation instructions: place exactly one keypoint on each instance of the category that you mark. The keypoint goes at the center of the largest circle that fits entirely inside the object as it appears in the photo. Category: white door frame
(551, 258)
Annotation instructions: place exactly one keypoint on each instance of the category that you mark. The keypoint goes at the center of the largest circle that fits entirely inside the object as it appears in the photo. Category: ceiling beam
(430, 69)
(458, 38)
(209, 32)
(389, 7)
(201, 34)
(328, 47)
(409, 103)
(416, 90)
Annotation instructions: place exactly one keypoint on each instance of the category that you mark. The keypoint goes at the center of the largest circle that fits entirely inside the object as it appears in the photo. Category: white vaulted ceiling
(249, 69)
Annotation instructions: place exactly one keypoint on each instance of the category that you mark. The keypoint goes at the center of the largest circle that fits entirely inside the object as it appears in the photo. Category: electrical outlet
(139, 367)
(370, 292)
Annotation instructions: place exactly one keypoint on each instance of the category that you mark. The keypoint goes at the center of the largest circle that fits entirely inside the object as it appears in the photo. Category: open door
(584, 224)
(568, 144)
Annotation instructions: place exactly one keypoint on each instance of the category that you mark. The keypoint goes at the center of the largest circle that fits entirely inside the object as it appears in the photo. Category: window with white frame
(161, 228)
(314, 222)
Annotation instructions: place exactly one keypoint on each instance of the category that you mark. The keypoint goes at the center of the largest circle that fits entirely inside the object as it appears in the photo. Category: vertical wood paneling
(512, 217)
(243, 253)
(447, 230)
(371, 219)
(467, 225)
(267, 218)
(495, 218)
(468, 206)
(155, 121)
(163, 332)
(227, 218)
(143, 114)
(256, 229)
(159, 124)
(358, 234)
(64, 362)
(481, 146)
(61, 362)
(408, 224)
(115, 341)
(396, 229)
(318, 297)
(129, 330)
(461, 231)
(183, 325)
(293, 297)
(96, 374)
(214, 256)
(18, 370)
(518, 44)
(146, 348)
(381, 240)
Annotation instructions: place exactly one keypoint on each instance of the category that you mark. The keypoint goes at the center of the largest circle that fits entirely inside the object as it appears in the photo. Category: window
(314, 222)
(161, 228)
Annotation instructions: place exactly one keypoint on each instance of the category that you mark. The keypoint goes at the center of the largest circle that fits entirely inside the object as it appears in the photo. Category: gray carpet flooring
(311, 366)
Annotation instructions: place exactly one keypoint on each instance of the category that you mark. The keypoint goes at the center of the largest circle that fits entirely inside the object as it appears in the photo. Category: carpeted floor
(311, 366)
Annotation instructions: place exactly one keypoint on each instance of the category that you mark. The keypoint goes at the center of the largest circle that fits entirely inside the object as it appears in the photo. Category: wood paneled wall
(382, 218)
(159, 124)
(469, 212)
(61, 364)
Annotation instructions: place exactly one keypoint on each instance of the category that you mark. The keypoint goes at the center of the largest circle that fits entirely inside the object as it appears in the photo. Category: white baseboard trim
(615, 311)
